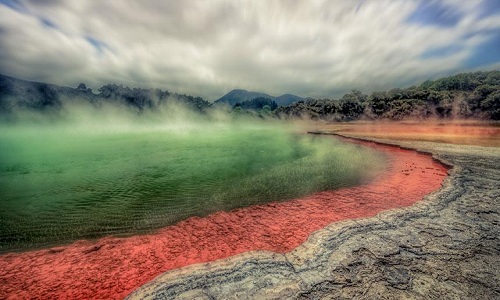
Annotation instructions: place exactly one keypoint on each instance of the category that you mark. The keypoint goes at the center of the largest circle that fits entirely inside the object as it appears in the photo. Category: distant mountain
(239, 96)
(21, 94)
(287, 99)
(258, 104)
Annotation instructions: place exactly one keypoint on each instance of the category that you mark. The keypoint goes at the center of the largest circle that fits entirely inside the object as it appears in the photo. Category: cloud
(206, 48)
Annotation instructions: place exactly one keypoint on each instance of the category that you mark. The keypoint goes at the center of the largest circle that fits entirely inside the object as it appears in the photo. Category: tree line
(16, 94)
(463, 96)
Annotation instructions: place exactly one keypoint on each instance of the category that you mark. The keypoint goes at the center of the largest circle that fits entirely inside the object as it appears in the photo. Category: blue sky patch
(48, 23)
(14, 4)
(489, 8)
(441, 51)
(433, 13)
(98, 44)
(486, 53)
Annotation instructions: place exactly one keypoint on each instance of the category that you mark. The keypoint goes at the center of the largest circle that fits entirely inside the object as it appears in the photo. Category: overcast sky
(206, 48)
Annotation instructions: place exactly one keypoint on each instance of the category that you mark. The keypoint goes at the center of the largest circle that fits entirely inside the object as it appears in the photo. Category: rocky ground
(444, 247)
(113, 267)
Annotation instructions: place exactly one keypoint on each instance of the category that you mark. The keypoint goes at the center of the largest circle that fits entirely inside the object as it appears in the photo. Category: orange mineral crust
(465, 133)
(113, 267)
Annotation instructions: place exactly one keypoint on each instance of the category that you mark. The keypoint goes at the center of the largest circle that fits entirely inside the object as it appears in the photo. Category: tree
(355, 96)
(351, 109)
(491, 105)
(83, 88)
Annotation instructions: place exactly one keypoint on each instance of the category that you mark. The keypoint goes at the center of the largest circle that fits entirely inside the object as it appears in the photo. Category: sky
(314, 48)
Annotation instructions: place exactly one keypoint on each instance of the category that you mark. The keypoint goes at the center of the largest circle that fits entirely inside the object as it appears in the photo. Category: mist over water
(92, 172)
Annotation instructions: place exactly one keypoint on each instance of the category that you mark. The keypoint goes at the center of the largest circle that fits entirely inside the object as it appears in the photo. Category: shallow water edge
(124, 264)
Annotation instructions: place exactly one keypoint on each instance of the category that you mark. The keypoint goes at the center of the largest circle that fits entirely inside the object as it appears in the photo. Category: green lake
(60, 183)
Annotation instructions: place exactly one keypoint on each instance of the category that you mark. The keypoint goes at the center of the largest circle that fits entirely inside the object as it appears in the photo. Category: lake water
(60, 183)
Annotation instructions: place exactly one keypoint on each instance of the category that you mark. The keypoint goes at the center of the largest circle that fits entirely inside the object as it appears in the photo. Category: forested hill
(240, 97)
(18, 94)
(467, 95)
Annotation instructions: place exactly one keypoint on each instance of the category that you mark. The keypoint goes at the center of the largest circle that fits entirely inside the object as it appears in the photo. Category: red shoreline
(111, 268)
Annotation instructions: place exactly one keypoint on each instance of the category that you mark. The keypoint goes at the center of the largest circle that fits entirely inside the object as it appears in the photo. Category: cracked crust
(445, 247)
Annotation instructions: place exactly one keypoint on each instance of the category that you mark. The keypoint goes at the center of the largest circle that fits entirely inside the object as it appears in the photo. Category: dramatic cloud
(206, 48)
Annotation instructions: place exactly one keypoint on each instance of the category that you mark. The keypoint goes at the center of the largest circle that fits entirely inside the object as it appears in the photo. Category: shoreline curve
(114, 267)
(444, 247)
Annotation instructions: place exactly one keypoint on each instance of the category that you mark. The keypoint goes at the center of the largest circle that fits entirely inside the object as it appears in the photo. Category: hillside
(18, 94)
(239, 96)
(463, 96)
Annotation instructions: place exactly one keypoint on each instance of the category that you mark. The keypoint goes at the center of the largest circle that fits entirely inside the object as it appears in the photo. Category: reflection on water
(58, 185)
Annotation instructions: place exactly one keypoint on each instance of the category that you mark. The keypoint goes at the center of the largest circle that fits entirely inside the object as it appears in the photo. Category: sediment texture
(444, 247)
(111, 268)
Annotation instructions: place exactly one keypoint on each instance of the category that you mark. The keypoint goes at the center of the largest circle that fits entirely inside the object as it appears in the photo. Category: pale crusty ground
(444, 247)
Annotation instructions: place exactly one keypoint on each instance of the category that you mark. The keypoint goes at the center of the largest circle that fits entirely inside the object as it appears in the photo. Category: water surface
(63, 183)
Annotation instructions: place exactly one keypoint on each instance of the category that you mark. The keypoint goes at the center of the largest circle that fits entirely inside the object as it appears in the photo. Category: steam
(96, 170)
(81, 116)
